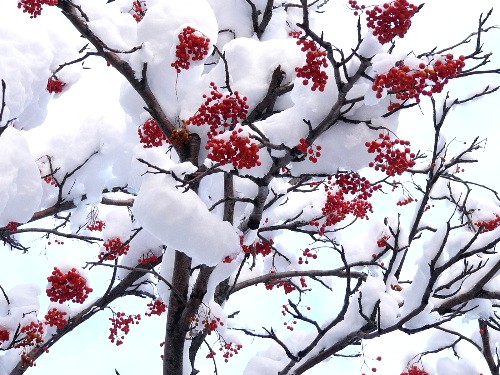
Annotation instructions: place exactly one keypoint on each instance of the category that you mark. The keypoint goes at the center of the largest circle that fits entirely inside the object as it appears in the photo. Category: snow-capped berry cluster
(70, 286)
(488, 225)
(31, 335)
(149, 259)
(220, 111)
(238, 150)
(138, 10)
(54, 85)
(315, 62)
(34, 7)
(114, 247)
(150, 134)
(262, 247)
(405, 201)
(414, 370)
(191, 47)
(304, 147)
(393, 157)
(157, 307)
(97, 226)
(391, 19)
(55, 318)
(382, 241)
(51, 181)
(406, 83)
(120, 325)
(4, 335)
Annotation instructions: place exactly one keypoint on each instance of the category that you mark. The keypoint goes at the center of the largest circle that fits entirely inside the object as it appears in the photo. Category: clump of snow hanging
(180, 219)
(20, 185)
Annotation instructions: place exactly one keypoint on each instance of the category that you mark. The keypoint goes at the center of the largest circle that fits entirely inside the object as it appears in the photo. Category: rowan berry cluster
(488, 225)
(149, 259)
(56, 241)
(405, 201)
(230, 350)
(406, 83)
(150, 134)
(51, 181)
(138, 10)
(70, 286)
(97, 226)
(220, 111)
(356, 7)
(315, 61)
(263, 247)
(414, 370)
(54, 85)
(287, 286)
(4, 335)
(393, 157)
(34, 7)
(391, 20)
(238, 150)
(114, 248)
(304, 147)
(352, 183)
(307, 253)
(382, 241)
(12, 226)
(55, 318)
(32, 334)
(337, 206)
(191, 47)
(210, 324)
(120, 325)
(157, 307)
(179, 136)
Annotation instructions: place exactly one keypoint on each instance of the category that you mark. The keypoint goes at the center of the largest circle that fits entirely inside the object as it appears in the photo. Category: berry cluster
(32, 335)
(405, 201)
(34, 7)
(489, 225)
(287, 286)
(56, 241)
(315, 61)
(157, 307)
(357, 8)
(210, 324)
(138, 10)
(238, 150)
(230, 350)
(4, 335)
(97, 225)
(150, 134)
(262, 247)
(407, 83)
(70, 286)
(220, 111)
(51, 181)
(391, 20)
(121, 322)
(414, 370)
(114, 248)
(307, 253)
(55, 318)
(304, 147)
(55, 86)
(12, 226)
(382, 241)
(338, 206)
(393, 157)
(191, 47)
(149, 259)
